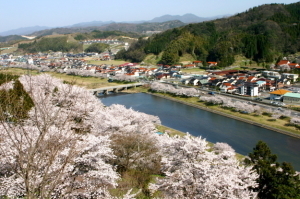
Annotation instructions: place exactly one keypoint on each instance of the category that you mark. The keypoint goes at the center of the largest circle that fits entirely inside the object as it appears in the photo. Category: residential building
(249, 88)
(290, 97)
(278, 94)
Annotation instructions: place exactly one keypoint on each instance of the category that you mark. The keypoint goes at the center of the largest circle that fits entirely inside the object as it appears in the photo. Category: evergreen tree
(275, 181)
(97, 47)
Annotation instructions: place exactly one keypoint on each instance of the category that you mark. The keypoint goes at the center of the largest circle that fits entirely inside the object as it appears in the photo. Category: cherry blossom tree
(62, 149)
(217, 99)
(55, 152)
(123, 77)
(295, 121)
(167, 88)
(229, 103)
(194, 170)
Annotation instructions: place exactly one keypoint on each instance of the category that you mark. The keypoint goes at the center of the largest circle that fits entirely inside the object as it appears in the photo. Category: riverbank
(223, 113)
(261, 121)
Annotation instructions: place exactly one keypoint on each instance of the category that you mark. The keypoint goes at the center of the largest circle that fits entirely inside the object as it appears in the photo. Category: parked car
(211, 93)
(258, 99)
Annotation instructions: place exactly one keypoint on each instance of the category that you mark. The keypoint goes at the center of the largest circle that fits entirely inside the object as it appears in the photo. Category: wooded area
(261, 34)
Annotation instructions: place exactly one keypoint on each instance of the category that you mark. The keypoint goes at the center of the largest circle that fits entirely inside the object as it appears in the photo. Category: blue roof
(261, 82)
(290, 94)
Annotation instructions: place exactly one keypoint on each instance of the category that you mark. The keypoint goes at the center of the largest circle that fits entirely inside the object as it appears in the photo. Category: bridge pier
(115, 90)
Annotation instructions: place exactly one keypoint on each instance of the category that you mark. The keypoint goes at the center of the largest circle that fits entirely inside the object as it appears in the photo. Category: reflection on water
(213, 127)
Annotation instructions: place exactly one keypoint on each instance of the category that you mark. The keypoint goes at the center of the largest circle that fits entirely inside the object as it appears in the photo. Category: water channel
(213, 127)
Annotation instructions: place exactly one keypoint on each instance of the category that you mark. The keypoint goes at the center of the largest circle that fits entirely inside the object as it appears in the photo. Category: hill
(123, 27)
(93, 25)
(263, 34)
(11, 38)
(23, 31)
(187, 18)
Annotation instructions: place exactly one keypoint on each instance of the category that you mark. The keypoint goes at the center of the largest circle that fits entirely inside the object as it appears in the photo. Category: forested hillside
(11, 38)
(53, 44)
(262, 34)
(97, 34)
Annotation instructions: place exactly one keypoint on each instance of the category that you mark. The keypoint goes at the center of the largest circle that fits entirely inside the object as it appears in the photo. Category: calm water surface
(213, 127)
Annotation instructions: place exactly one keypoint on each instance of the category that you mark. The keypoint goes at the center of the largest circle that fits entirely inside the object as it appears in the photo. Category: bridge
(115, 89)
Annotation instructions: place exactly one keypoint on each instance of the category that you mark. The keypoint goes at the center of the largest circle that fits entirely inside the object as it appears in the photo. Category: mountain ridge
(186, 18)
(261, 34)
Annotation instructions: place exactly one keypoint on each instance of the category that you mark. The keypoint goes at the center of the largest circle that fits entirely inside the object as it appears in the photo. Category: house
(261, 84)
(197, 63)
(270, 85)
(251, 79)
(189, 66)
(271, 74)
(278, 94)
(294, 65)
(290, 76)
(211, 64)
(225, 87)
(290, 97)
(249, 88)
(159, 76)
(282, 63)
(194, 81)
(203, 82)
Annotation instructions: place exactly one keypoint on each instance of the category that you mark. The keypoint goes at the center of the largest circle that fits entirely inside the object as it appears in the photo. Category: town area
(272, 86)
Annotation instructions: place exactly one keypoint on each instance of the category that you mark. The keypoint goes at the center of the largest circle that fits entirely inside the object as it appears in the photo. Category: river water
(213, 127)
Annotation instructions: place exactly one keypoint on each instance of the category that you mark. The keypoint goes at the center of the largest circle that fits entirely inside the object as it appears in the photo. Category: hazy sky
(56, 13)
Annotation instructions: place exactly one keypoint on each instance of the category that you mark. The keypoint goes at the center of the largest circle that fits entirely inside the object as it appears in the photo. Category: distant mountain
(124, 27)
(92, 23)
(23, 31)
(11, 38)
(187, 18)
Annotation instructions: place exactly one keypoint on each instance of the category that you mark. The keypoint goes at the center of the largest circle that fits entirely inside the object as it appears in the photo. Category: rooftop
(296, 95)
(280, 92)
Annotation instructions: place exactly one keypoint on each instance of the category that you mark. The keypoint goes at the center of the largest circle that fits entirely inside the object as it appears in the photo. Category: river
(213, 127)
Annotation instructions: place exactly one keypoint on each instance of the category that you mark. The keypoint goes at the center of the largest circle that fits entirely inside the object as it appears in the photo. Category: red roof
(227, 84)
(189, 65)
(125, 64)
(250, 78)
(211, 62)
(282, 62)
(294, 65)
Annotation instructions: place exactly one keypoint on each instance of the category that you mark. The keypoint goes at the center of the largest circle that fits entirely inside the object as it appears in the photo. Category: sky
(16, 14)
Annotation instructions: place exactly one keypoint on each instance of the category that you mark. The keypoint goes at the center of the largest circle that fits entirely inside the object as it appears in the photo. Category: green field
(10, 50)
(193, 70)
(108, 62)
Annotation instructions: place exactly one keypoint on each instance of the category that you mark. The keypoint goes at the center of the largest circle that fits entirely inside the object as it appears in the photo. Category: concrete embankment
(231, 116)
